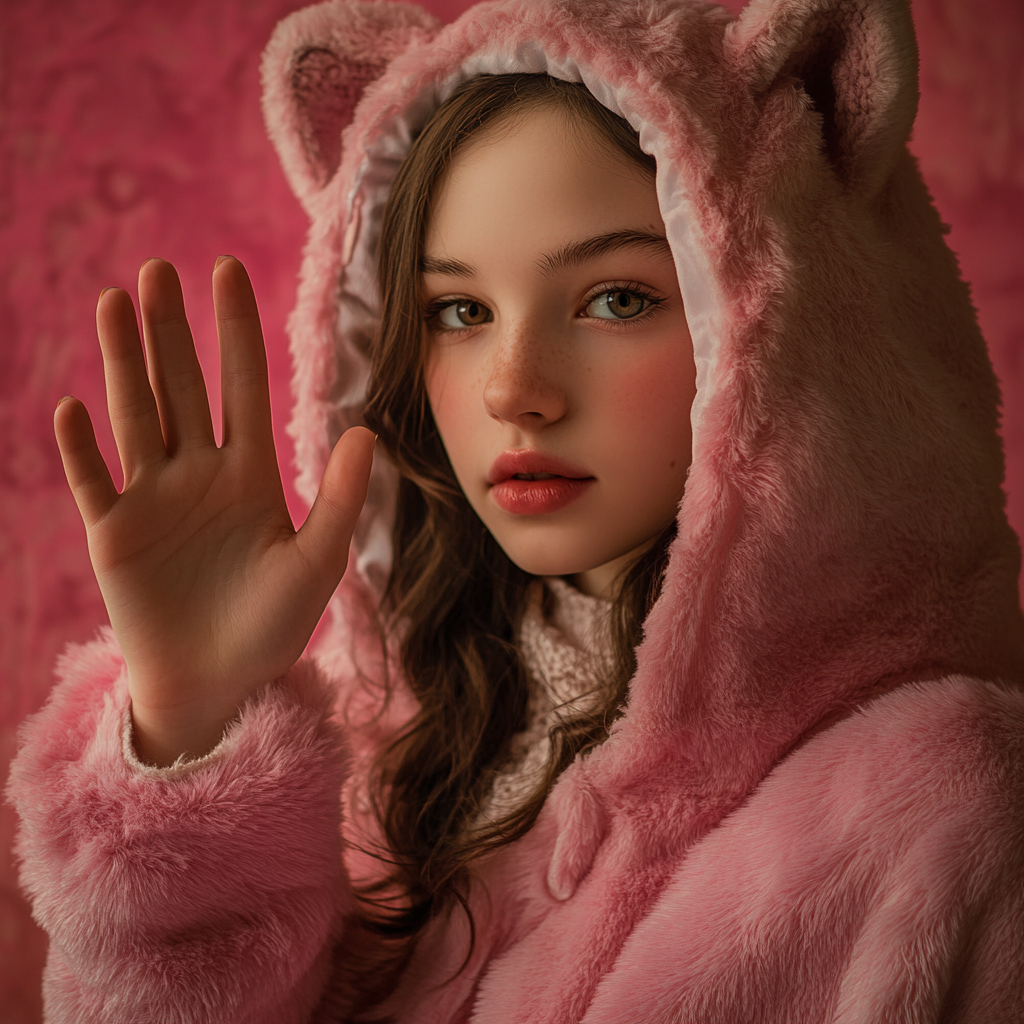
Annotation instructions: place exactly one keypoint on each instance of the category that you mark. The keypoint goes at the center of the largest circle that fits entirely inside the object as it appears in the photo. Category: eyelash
(433, 309)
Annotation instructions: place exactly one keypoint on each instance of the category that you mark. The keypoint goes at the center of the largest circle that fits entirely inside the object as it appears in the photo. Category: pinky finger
(87, 473)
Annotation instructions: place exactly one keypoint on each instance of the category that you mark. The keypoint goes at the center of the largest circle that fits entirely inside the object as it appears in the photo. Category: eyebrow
(572, 254)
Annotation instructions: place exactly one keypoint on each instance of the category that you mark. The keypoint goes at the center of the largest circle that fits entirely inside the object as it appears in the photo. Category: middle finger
(174, 369)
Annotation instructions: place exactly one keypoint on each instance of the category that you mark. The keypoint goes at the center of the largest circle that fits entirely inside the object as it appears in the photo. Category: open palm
(210, 590)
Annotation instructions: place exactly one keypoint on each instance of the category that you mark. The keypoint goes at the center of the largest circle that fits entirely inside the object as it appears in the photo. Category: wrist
(161, 735)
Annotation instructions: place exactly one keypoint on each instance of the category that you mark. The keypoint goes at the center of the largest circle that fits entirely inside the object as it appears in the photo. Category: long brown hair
(455, 597)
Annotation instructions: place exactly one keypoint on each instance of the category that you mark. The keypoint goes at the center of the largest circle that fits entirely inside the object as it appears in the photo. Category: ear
(315, 68)
(857, 62)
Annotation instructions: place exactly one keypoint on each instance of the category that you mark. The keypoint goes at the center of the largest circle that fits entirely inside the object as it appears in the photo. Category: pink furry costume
(812, 808)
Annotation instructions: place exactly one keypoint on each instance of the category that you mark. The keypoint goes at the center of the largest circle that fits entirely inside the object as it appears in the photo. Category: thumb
(327, 532)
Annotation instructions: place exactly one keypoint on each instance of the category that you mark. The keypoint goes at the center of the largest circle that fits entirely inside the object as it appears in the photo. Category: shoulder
(948, 749)
(926, 779)
(871, 866)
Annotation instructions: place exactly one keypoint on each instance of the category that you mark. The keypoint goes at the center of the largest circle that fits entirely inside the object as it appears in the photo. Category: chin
(552, 556)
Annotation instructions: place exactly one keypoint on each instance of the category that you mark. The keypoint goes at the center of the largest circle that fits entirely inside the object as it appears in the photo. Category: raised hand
(210, 590)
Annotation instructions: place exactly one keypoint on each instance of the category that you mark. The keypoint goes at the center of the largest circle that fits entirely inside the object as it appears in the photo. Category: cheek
(646, 409)
(453, 390)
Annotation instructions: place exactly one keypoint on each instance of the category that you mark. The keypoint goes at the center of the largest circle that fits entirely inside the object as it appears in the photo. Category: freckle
(672, 464)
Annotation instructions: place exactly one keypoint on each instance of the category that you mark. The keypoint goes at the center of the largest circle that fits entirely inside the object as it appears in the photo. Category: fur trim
(235, 865)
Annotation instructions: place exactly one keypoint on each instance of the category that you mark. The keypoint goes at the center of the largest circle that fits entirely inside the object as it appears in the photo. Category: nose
(523, 385)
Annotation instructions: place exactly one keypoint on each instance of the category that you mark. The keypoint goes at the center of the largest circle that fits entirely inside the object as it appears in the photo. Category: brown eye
(463, 314)
(617, 305)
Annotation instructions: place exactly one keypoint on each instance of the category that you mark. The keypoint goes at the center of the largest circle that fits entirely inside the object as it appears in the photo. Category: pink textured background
(131, 128)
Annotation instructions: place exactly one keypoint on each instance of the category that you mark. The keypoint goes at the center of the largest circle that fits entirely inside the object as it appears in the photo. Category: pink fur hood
(812, 808)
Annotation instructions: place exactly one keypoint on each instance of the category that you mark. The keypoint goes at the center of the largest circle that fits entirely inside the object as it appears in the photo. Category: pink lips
(516, 488)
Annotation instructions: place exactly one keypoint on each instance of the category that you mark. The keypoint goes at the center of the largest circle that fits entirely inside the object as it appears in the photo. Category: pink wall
(132, 128)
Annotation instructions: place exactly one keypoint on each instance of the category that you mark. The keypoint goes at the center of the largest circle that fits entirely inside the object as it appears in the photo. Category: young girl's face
(559, 370)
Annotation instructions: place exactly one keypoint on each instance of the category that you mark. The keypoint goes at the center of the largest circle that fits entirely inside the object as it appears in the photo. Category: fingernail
(220, 260)
(63, 400)
(103, 291)
(146, 260)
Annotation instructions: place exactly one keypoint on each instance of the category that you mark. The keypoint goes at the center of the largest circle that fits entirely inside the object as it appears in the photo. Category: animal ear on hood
(316, 67)
(856, 61)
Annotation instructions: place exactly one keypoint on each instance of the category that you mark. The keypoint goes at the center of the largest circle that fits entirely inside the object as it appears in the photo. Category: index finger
(130, 401)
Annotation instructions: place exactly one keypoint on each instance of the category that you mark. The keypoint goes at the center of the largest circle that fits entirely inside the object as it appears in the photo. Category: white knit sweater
(566, 656)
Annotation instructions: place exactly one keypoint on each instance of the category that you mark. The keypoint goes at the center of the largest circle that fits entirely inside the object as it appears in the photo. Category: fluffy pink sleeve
(204, 893)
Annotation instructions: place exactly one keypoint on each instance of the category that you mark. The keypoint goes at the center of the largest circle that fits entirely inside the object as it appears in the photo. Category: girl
(629, 722)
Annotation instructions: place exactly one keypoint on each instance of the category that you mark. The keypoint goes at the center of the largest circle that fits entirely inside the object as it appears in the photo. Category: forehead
(539, 175)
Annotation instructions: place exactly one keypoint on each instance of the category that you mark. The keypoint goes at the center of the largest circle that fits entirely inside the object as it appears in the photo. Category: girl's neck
(603, 580)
